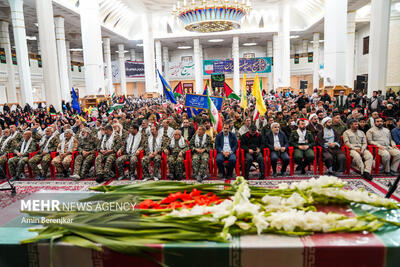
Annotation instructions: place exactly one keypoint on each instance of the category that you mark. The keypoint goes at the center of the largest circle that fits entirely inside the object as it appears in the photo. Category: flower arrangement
(180, 212)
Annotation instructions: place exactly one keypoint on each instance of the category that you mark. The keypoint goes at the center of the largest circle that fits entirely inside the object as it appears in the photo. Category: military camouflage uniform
(175, 162)
(8, 148)
(109, 159)
(358, 140)
(83, 164)
(129, 156)
(157, 159)
(200, 160)
(339, 128)
(16, 164)
(63, 164)
(46, 158)
(383, 137)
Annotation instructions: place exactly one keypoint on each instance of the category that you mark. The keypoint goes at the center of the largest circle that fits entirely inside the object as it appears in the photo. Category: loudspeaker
(362, 81)
(303, 85)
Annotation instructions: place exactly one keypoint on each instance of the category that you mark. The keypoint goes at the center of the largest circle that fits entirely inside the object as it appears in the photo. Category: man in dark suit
(226, 145)
(303, 143)
(251, 143)
(278, 144)
(187, 130)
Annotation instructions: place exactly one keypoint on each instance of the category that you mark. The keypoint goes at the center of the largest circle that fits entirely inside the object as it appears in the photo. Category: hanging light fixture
(211, 15)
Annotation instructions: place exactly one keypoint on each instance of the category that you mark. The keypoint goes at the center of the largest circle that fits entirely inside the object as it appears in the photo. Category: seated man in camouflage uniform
(356, 141)
(109, 145)
(48, 144)
(176, 154)
(156, 143)
(6, 146)
(86, 149)
(67, 146)
(200, 145)
(21, 156)
(129, 152)
(380, 136)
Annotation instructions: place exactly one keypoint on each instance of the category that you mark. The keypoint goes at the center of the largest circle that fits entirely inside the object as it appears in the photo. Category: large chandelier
(211, 15)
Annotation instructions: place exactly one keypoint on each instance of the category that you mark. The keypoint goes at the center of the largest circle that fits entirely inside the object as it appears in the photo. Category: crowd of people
(111, 134)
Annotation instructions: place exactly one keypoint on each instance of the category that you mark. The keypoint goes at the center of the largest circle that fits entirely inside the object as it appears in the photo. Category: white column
(284, 43)
(121, 59)
(201, 66)
(107, 57)
(351, 34)
(276, 60)
(51, 72)
(67, 47)
(378, 48)
(62, 58)
(18, 23)
(305, 47)
(316, 60)
(5, 43)
(133, 54)
(335, 32)
(148, 54)
(92, 48)
(236, 65)
(166, 63)
(159, 64)
(269, 75)
(197, 67)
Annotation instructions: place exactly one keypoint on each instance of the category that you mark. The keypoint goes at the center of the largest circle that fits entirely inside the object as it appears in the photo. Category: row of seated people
(192, 159)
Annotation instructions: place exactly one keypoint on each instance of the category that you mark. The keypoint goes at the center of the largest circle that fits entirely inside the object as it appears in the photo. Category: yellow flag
(243, 98)
(260, 104)
(81, 118)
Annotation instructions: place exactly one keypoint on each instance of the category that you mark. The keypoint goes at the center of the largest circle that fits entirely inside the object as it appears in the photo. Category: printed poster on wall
(247, 65)
(134, 69)
(181, 70)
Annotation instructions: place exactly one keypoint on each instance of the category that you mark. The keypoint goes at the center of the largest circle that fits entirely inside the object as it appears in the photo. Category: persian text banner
(200, 101)
(247, 65)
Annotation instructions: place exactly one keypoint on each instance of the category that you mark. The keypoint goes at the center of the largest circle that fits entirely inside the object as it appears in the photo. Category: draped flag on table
(167, 89)
(243, 99)
(229, 92)
(178, 90)
(260, 104)
(75, 101)
(214, 114)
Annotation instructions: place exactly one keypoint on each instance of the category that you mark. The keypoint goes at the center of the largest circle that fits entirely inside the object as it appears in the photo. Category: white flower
(260, 222)
(229, 221)
(243, 225)
(271, 200)
(244, 207)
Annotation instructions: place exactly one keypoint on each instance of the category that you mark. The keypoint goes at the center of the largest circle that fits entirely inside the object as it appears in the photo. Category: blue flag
(193, 112)
(167, 89)
(75, 101)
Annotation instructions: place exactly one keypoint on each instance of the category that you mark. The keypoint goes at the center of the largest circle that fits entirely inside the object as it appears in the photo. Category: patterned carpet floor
(24, 188)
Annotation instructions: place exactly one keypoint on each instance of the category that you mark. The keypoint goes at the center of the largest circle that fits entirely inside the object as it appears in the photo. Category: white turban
(325, 120)
(312, 116)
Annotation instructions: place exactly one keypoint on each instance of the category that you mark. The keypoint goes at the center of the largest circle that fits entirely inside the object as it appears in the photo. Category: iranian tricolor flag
(214, 114)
